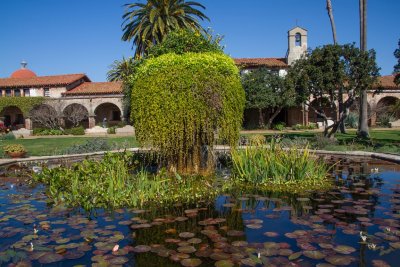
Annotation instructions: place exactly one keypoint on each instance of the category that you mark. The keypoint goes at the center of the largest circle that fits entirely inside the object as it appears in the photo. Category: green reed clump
(271, 165)
(110, 183)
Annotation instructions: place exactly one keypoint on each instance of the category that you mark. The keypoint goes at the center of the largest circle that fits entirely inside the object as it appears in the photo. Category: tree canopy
(328, 73)
(267, 91)
(180, 102)
(148, 24)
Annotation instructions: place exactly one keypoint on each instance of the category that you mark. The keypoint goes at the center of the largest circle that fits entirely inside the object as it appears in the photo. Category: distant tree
(148, 24)
(325, 70)
(396, 71)
(45, 116)
(266, 91)
(75, 114)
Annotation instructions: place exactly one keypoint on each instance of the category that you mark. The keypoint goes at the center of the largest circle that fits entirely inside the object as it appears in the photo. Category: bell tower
(297, 44)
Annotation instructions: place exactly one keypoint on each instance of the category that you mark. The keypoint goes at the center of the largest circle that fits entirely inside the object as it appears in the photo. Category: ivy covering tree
(330, 73)
(396, 71)
(179, 103)
(266, 91)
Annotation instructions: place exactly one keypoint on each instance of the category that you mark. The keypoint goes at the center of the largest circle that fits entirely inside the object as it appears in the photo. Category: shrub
(386, 119)
(179, 101)
(295, 142)
(321, 142)
(75, 131)
(279, 126)
(91, 145)
(44, 131)
(257, 139)
(7, 136)
(111, 130)
(352, 120)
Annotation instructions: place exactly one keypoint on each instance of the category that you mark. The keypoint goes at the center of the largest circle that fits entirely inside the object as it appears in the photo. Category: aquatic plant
(110, 183)
(277, 167)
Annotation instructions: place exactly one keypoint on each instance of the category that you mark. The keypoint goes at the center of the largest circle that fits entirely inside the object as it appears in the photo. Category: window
(46, 92)
(27, 92)
(298, 39)
(8, 92)
(17, 92)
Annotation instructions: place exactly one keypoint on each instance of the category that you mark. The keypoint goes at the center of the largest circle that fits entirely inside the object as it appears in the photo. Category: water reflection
(354, 224)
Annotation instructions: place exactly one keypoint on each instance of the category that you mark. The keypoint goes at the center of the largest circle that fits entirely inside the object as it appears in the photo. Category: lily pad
(141, 249)
(343, 249)
(314, 254)
(50, 257)
(187, 249)
(191, 262)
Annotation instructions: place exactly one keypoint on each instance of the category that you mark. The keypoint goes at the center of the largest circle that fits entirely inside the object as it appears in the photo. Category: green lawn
(386, 141)
(56, 146)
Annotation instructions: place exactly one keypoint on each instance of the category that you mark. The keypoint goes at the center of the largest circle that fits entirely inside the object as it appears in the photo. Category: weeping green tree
(180, 102)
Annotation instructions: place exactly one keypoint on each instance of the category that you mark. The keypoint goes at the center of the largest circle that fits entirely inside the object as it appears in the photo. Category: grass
(385, 141)
(55, 146)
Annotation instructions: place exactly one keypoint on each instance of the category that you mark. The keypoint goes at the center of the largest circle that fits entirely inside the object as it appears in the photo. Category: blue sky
(84, 36)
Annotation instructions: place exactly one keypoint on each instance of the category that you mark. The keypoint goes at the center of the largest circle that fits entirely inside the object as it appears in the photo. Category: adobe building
(98, 100)
(297, 46)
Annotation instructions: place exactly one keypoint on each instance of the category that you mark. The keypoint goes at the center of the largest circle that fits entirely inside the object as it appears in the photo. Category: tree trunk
(330, 14)
(342, 127)
(260, 118)
(272, 117)
(363, 120)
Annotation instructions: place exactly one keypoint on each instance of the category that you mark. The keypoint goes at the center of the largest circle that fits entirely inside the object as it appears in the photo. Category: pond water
(355, 224)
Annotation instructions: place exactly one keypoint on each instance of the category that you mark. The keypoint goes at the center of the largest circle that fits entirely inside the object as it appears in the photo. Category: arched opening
(354, 114)
(321, 105)
(386, 111)
(12, 117)
(297, 39)
(107, 113)
(44, 116)
(76, 115)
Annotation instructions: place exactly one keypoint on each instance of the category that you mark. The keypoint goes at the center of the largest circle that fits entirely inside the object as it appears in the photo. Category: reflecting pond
(354, 224)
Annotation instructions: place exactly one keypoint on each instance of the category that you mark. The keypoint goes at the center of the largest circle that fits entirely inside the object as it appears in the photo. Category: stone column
(92, 121)
(28, 123)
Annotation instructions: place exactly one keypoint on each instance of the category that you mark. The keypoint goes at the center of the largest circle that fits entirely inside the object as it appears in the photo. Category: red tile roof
(42, 81)
(23, 73)
(260, 62)
(96, 88)
(386, 82)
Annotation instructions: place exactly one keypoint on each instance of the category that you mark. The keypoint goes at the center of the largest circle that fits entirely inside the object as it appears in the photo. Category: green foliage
(91, 145)
(180, 101)
(386, 119)
(330, 73)
(351, 120)
(396, 70)
(7, 136)
(266, 90)
(184, 41)
(14, 148)
(279, 126)
(25, 104)
(310, 126)
(148, 23)
(108, 183)
(273, 166)
(45, 131)
(111, 130)
(75, 131)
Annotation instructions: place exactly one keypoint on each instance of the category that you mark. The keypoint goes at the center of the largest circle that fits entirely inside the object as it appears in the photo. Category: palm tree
(363, 119)
(330, 14)
(147, 24)
(121, 70)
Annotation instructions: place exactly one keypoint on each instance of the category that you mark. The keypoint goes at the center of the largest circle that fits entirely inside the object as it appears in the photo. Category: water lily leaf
(187, 249)
(141, 249)
(73, 255)
(314, 254)
(343, 249)
(118, 261)
(186, 235)
(220, 256)
(191, 262)
(224, 263)
(50, 257)
(339, 260)
(295, 255)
